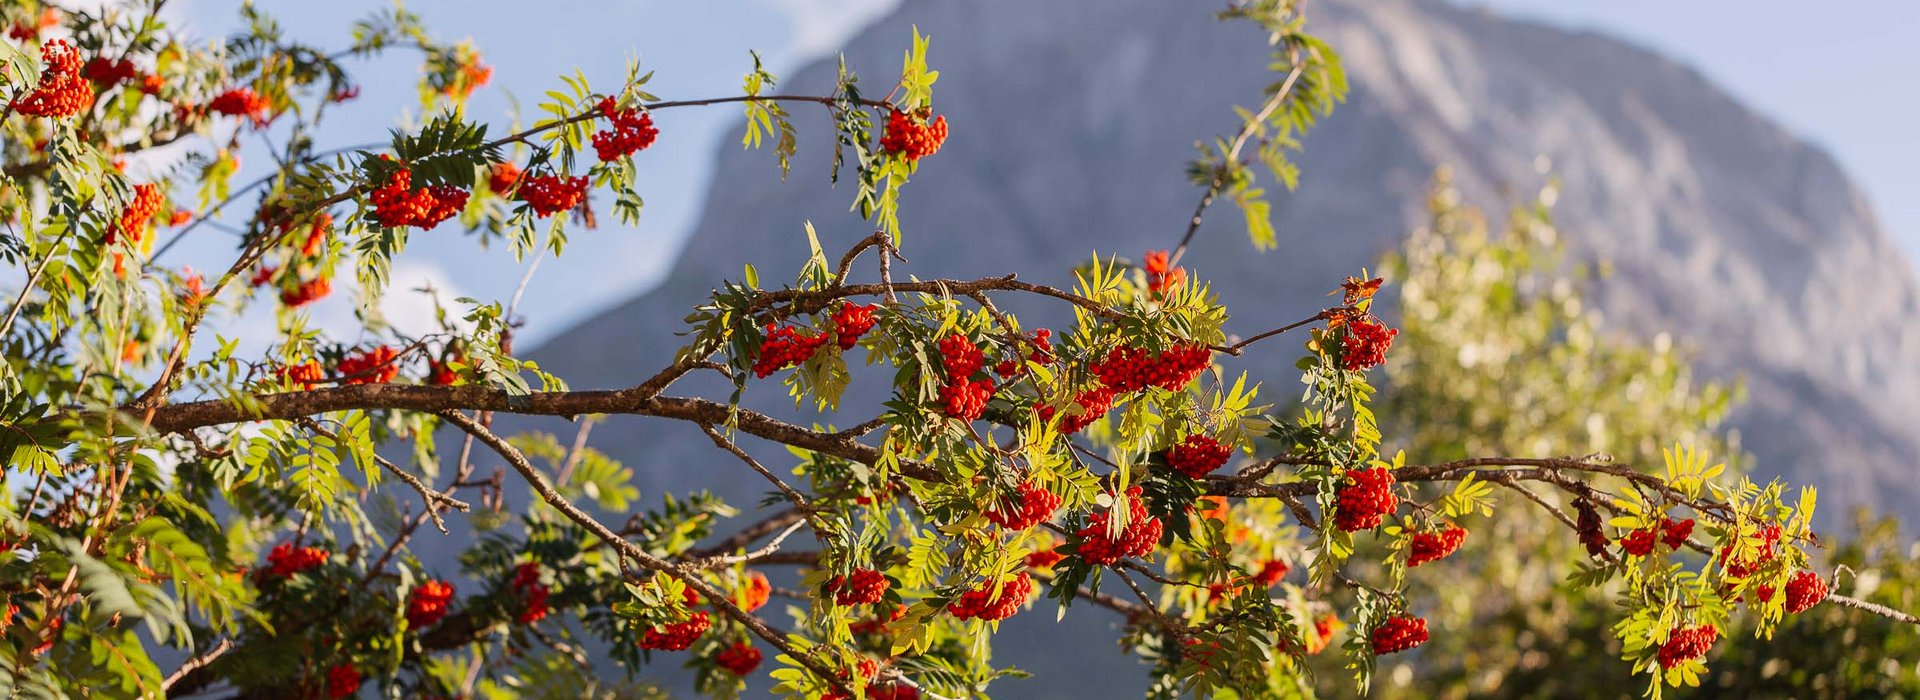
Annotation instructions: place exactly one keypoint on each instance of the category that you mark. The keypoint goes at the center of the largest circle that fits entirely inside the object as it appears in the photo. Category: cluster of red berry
(962, 397)
(755, 593)
(61, 92)
(1365, 344)
(109, 72)
(396, 203)
(371, 366)
(343, 681)
(317, 232)
(1365, 500)
(851, 321)
(981, 603)
(1638, 543)
(502, 177)
(785, 346)
(1042, 354)
(241, 102)
(679, 636)
(1137, 539)
(304, 375)
(306, 292)
(1271, 571)
(550, 194)
(134, 221)
(1198, 455)
(1128, 369)
(1093, 404)
(1424, 547)
(867, 669)
(632, 131)
(533, 593)
(739, 658)
(442, 373)
(429, 603)
(1398, 633)
(1805, 590)
(912, 137)
(23, 30)
(1322, 634)
(1764, 554)
(1036, 505)
(1674, 533)
(286, 559)
(1687, 643)
(1162, 277)
(862, 587)
(1044, 558)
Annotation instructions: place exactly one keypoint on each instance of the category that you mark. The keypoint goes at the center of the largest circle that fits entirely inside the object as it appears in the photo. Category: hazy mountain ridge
(1071, 124)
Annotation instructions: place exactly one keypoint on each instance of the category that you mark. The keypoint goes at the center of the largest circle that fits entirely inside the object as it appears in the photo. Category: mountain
(1071, 122)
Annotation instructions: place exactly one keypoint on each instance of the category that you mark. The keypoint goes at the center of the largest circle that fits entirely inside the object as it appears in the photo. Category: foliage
(173, 493)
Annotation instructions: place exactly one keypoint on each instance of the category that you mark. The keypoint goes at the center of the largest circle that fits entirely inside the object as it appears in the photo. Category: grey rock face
(1072, 121)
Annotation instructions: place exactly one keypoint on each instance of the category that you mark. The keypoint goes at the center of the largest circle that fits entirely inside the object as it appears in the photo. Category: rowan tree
(171, 496)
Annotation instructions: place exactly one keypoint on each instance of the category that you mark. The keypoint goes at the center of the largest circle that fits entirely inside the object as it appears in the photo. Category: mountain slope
(1071, 121)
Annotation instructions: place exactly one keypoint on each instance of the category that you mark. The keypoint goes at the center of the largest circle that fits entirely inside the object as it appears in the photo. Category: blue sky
(1836, 75)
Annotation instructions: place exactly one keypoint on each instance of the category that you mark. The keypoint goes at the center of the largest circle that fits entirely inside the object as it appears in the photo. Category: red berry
(1365, 500)
(739, 658)
(1804, 591)
(1430, 546)
(1687, 643)
(1128, 369)
(1036, 505)
(632, 131)
(677, 636)
(1138, 539)
(1638, 543)
(960, 357)
(61, 91)
(1198, 455)
(1044, 558)
(965, 399)
(138, 215)
(851, 321)
(1160, 277)
(911, 137)
(240, 102)
(502, 177)
(892, 690)
(551, 194)
(308, 292)
(343, 681)
(1399, 633)
(396, 203)
(1271, 571)
(286, 560)
(374, 366)
(1322, 633)
(1365, 344)
(863, 587)
(981, 602)
(755, 593)
(1675, 532)
(1093, 404)
(109, 72)
(304, 376)
(429, 603)
(526, 582)
(784, 347)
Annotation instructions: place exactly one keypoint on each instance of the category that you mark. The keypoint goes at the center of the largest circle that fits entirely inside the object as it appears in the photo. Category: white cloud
(822, 26)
